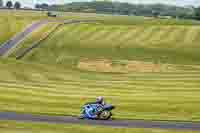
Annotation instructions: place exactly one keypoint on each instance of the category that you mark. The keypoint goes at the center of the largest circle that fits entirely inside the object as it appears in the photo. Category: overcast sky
(173, 2)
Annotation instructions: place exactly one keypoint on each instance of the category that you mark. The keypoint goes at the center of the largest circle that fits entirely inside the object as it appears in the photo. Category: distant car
(50, 14)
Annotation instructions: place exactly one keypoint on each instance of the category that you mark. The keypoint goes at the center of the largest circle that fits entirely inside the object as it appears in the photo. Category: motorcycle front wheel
(105, 115)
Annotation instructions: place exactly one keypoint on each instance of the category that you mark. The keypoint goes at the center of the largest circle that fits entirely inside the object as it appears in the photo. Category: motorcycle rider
(89, 112)
(99, 100)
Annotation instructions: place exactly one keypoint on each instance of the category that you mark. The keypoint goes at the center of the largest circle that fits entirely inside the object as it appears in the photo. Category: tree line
(10, 4)
(121, 8)
(1, 3)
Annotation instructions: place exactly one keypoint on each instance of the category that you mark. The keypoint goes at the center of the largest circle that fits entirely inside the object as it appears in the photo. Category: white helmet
(100, 98)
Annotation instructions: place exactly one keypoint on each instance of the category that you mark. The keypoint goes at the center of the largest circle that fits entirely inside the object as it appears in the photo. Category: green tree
(9, 4)
(197, 13)
(44, 6)
(1, 3)
(155, 14)
(17, 5)
(37, 6)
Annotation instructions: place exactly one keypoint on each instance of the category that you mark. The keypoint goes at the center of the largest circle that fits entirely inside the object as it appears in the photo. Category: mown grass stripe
(145, 35)
(194, 81)
(128, 35)
(113, 36)
(120, 97)
(138, 32)
(129, 91)
(74, 92)
(89, 32)
(125, 86)
(162, 36)
(191, 35)
(98, 35)
(176, 32)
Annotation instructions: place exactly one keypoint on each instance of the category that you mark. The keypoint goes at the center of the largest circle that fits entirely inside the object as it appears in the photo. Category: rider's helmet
(99, 99)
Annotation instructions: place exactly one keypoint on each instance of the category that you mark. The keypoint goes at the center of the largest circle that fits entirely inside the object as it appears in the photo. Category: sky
(29, 3)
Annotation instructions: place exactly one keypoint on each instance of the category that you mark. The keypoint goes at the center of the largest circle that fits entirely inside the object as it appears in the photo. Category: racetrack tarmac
(14, 41)
(20, 36)
(177, 125)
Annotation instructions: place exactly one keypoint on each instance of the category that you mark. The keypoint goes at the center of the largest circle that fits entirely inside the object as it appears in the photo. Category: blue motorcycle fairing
(90, 111)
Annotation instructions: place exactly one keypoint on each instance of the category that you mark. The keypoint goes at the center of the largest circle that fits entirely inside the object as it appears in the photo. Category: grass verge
(22, 127)
(55, 90)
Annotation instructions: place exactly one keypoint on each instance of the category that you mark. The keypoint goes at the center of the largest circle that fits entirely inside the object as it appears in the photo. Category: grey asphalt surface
(113, 123)
(4, 48)
(72, 120)
(14, 41)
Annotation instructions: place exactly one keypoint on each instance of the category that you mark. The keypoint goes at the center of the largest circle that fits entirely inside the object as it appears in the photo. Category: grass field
(125, 20)
(12, 22)
(45, 89)
(20, 127)
(158, 44)
(148, 68)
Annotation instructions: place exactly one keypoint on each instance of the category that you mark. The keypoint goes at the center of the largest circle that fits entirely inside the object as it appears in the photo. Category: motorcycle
(96, 111)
